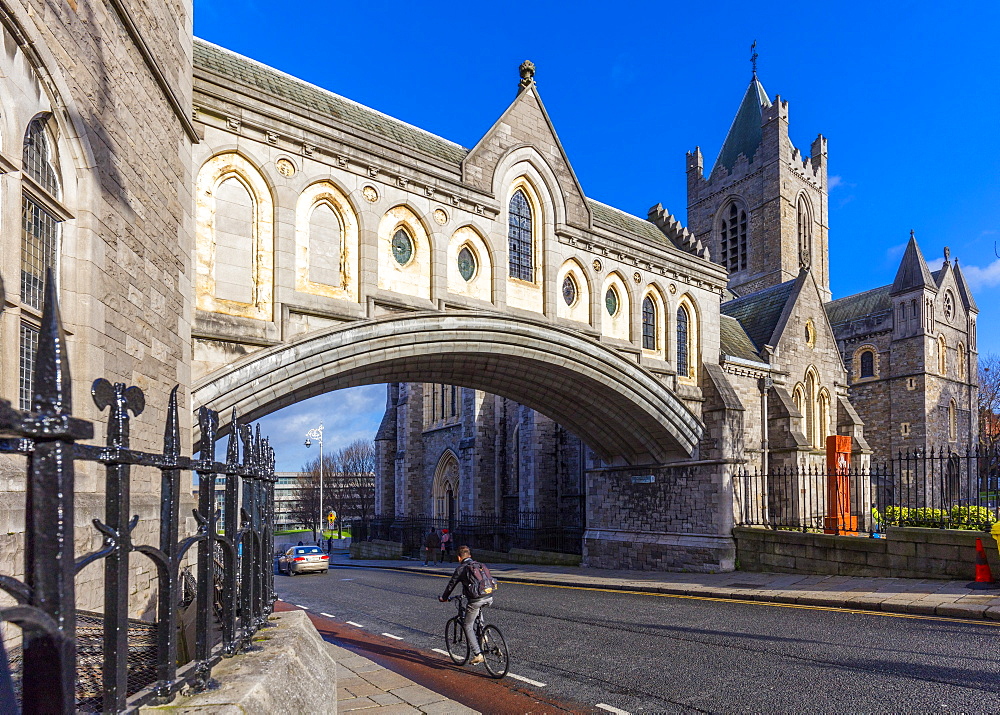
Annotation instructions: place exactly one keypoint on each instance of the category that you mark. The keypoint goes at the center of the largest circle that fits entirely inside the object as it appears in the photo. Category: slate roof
(963, 289)
(628, 223)
(852, 307)
(913, 271)
(759, 312)
(734, 341)
(745, 133)
(256, 76)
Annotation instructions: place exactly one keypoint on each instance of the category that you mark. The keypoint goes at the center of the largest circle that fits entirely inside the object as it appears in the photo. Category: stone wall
(660, 519)
(376, 550)
(903, 553)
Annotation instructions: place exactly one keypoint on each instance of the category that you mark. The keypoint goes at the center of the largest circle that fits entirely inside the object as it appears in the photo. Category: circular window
(569, 290)
(402, 247)
(611, 301)
(466, 263)
(949, 306)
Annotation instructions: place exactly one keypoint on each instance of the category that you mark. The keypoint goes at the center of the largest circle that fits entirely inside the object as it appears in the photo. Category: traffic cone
(983, 575)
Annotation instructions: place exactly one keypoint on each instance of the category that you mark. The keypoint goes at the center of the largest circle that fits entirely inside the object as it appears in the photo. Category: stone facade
(100, 93)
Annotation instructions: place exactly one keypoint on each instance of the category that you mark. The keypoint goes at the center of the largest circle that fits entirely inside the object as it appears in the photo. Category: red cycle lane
(470, 687)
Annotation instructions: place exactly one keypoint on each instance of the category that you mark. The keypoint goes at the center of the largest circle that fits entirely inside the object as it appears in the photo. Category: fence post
(209, 421)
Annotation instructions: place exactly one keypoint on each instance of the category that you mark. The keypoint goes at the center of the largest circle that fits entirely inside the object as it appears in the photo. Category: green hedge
(970, 518)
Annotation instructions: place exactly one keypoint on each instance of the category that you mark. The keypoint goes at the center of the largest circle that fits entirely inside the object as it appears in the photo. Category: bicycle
(491, 641)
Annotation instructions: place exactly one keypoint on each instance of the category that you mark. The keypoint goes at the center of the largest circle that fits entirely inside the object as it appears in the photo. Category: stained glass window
(466, 263)
(402, 247)
(683, 366)
(569, 290)
(648, 324)
(611, 301)
(519, 235)
(867, 364)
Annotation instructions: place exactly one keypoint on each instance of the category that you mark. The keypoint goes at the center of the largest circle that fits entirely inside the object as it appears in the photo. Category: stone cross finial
(527, 75)
(753, 57)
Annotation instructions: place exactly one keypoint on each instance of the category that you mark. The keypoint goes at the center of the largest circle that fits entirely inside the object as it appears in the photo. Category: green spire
(745, 133)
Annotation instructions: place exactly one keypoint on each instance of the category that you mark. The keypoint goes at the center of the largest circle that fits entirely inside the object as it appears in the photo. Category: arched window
(519, 237)
(326, 255)
(812, 428)
(648, 324)
(39, 242)
(961, 362)
(868, 364)
(804, 222)
(824, 418)
(952, 421)
(942, 356)
(733, 238)
(683, 342)
(235, 258)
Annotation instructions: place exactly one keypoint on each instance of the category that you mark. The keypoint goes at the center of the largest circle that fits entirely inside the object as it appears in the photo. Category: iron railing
(57, 673)
(938, 488)
(523, 530)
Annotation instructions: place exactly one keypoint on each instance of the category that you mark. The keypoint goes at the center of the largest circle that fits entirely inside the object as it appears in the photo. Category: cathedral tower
(762, 210)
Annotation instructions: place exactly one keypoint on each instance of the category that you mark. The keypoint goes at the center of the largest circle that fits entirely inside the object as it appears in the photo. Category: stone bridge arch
(624, 413)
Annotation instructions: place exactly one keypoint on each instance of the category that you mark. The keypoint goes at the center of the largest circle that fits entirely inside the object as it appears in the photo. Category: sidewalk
(925, 597)
(363, 685)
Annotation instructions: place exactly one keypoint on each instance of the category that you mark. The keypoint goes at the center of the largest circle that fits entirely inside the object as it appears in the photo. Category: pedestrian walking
(445, 545)
(432, 542)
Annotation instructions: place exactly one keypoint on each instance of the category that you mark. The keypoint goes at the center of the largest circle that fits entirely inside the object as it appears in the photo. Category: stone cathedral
(899, 359)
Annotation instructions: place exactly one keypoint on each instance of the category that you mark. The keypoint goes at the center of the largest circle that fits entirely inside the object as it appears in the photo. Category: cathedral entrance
(445, 489)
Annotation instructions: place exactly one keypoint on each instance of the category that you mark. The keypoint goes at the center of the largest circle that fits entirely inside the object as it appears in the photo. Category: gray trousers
(471, 611)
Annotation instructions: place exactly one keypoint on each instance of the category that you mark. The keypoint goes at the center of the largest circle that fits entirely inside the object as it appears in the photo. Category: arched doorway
(444, 497)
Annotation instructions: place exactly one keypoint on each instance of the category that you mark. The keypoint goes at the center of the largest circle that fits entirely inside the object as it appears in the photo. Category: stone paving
(364, 685)
(928, 597)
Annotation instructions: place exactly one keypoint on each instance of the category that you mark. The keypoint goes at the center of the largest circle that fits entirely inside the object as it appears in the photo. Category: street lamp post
(317, 434)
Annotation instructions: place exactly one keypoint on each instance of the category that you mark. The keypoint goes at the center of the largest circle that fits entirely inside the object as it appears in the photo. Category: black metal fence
(72, 661)
(938, 488)
(526, 530)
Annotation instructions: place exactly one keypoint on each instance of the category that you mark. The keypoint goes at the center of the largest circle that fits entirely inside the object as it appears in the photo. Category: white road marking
(328, 615)
(529, 681)
(443, 652)
(347, 579)
(352, 623)
(390, 635)
(609, 708)
(305, 608)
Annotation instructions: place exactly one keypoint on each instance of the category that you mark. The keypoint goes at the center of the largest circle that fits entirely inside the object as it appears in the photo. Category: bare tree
(305, 506)
(989, 400)
(357, 476)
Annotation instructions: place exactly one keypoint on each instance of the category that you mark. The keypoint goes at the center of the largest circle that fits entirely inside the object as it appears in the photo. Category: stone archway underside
(615, 406)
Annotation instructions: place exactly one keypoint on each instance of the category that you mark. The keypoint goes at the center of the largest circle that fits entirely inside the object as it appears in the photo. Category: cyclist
(462, 575)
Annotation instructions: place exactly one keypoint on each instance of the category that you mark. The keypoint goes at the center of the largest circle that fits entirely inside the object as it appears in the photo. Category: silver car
(302, 559)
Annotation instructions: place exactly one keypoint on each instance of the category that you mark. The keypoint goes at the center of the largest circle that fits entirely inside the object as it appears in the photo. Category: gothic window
(39, 242)
(949, 307)
(325, 246)
(942, 356)
(824, 418)
(961, 362)
(733, 238)
(648, 324)
(804, 222)
(569, 290)
(402, 246)
(952, 421)
(683, 342)
(868, 364)
(915, 314)
(466, 263)
(519, 237)
(611, 301)
(812, 428)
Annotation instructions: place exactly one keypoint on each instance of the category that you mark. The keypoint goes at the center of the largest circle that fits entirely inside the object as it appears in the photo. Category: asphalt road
(653, 653)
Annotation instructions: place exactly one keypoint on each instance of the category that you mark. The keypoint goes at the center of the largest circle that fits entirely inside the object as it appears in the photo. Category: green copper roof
(745, 133)
(284, 88)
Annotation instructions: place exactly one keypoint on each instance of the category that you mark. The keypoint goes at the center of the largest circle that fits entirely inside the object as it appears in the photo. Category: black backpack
(481, 583)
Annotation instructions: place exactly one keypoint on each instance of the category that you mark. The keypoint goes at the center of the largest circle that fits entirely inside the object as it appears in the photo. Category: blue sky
(907, 95)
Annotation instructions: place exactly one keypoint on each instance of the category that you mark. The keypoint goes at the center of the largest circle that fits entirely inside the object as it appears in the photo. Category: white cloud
(979, 278)
(895, 251)
(936, 263)
(834, 181)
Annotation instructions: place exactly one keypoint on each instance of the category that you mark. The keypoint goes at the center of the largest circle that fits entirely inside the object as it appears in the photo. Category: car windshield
(308, 550)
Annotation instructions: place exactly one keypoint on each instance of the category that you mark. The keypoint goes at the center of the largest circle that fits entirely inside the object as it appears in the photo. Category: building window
(961, 362)
(648, 324)
(804, 221)
(683, 342)
(569, 290)
(29, 349)
(519, 236)
(868, 364)
(733, 238)
(942, 356)
(402, 247)
(466, 263)
(952, 421)
(39, 239)
(37, 158)
(611, 301)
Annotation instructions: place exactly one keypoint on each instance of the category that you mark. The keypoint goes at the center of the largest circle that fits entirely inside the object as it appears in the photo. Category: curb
(847, 602)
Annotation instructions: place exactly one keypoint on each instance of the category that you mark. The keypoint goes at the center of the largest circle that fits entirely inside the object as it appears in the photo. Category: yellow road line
(802, 606)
